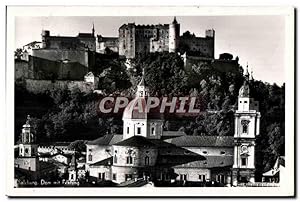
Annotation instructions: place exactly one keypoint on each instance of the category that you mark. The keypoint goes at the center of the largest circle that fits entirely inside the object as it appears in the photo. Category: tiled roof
(109, 139)
(136, 141)
(173, 133)
(104, 162)
(202, 141)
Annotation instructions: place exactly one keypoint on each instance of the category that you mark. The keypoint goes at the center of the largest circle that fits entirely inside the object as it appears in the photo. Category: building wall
(58, 55)
(27, 163)
(193, 173)
(121, 173)
(211, 151)
(198, 44)
(138, 156)
(95, 170)
(98, 152)
(88, 43)
(127, 41)
(146, 127)
(22, 69)
(104, 42)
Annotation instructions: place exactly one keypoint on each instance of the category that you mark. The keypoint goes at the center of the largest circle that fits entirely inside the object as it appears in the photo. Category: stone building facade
(135, 39)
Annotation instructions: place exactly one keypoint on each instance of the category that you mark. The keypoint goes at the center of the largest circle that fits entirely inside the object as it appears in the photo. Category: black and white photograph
(173, 101)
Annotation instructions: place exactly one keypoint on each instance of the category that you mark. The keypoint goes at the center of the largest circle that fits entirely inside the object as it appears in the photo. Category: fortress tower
(247, 121)
(174, 32)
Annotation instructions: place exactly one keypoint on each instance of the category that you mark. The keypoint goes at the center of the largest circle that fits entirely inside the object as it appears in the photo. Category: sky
(256, 40)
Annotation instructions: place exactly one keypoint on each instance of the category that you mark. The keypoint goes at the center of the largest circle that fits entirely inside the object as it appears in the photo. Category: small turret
(45, 34)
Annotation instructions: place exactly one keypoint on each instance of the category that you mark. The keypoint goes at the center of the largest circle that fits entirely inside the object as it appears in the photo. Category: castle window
(222, 152)
(147, 159)
(90, 150)
(127, 130)
(26, 151)
(115, 159)
(138, 130)
(90, 157)
(21, 150)
(114, 176)
(245, 101)
(29, 168)
(129, 160)
(244, 161)
(204, 152)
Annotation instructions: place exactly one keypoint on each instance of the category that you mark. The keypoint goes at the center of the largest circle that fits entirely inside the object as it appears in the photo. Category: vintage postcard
(150, 101)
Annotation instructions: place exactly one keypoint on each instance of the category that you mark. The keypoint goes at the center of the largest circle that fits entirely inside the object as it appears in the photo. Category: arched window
(147, 160)
(245, 128)
(245, 124)
(115, 159)
(152, 130)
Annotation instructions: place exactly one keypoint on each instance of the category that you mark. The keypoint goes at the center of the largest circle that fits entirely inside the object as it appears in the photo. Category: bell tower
(247, 123)
(28, 158)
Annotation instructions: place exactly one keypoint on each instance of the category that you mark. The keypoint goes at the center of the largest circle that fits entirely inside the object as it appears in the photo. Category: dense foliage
(72, 115)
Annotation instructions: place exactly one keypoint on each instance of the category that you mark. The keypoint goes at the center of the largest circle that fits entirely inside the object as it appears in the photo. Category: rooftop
(202, 141)
(104, 162)
(108, 139)
(136, 141)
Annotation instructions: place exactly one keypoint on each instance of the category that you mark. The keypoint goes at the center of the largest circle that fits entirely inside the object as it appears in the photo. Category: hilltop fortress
(72, 57)
(132, 39)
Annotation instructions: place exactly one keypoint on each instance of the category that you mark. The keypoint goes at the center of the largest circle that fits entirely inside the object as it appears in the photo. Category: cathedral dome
(137, 109)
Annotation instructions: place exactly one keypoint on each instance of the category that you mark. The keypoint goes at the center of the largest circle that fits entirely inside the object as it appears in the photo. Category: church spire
(174, 21)
(247, 72)
(93, 30)
(142, 89)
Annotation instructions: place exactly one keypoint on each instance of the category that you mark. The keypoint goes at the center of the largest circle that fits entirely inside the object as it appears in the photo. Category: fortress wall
(198, 44)
(48, 69)
(59, 55)
(21, 69)
(40, 86)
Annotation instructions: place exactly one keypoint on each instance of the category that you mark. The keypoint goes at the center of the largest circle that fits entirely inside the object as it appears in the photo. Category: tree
(78, 146)
(18, 53)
